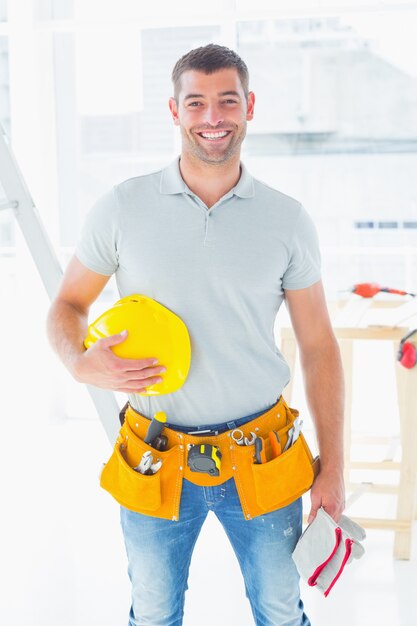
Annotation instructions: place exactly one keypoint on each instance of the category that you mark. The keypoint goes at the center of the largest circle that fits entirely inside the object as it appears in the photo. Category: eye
(231, 101)
(194, 104)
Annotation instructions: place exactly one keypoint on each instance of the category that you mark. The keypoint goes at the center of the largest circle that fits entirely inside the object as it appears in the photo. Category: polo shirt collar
(172, 181)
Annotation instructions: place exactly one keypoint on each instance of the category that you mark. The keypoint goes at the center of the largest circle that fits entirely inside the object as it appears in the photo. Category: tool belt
(261, 487)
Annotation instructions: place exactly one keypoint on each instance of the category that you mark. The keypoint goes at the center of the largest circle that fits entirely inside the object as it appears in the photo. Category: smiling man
(213, 115)
(223, 250)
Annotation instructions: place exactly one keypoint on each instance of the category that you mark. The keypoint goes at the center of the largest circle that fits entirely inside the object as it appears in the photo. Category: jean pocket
(284, 479)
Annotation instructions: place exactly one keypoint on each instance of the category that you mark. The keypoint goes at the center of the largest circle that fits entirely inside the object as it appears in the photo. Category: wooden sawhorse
(406, 380)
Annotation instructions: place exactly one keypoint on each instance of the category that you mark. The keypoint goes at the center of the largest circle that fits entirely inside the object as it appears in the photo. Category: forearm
(324, 386)
(67, 328)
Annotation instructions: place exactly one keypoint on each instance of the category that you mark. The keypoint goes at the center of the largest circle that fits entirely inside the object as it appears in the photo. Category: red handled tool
(369, 290)
(407, 353)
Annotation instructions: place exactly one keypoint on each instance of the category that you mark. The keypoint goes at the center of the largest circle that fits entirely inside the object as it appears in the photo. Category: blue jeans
(159, 554)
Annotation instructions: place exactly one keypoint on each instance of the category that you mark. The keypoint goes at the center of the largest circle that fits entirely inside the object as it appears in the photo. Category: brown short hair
(209, 59)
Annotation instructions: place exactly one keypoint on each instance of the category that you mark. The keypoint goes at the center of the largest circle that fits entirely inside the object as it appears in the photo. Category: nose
(213, 115)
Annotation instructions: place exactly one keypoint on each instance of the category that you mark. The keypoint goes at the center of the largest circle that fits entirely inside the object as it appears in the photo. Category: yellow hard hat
(153, 331)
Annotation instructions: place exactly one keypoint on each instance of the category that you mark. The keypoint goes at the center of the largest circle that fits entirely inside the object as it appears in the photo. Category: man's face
(212, 113)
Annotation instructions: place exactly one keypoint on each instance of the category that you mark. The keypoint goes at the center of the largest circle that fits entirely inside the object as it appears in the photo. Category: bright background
(84, 87)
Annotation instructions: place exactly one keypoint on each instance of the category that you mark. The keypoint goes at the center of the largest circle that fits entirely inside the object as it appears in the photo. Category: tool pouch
(285, 478)
(265, 487)
(158, 494)
(261, 488)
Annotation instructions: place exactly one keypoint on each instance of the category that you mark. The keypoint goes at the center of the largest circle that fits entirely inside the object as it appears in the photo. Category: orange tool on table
(369, 290)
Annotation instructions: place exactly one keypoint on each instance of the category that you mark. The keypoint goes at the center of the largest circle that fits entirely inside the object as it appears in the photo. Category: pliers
(147, 466)
(293, 433)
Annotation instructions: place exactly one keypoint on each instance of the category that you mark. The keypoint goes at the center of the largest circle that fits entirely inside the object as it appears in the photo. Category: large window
(336, 126)
(112, 91)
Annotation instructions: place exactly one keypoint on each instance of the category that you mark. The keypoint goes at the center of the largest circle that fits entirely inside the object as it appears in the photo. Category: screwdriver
(155, 427)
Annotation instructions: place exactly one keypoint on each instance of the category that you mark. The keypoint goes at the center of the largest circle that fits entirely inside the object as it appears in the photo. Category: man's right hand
(99, 366)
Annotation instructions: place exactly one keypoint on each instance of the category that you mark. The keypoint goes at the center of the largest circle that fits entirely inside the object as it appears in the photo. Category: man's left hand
(328, 491)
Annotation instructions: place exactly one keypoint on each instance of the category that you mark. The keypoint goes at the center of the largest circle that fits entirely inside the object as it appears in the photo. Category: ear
(251, 106)
(174, 111)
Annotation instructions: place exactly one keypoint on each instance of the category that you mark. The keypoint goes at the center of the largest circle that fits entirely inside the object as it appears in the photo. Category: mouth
(214, 137)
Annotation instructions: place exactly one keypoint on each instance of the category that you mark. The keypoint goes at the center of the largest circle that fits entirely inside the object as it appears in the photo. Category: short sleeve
(304, 267)
(97, 246)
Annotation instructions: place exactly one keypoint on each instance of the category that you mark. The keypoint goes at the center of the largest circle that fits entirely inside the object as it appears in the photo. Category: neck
(209, 181)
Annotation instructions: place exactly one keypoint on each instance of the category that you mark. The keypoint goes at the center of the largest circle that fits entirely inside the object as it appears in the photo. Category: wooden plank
(407, 401)
(346, 352)
(377, 333)
(373, 487)
(374, 465)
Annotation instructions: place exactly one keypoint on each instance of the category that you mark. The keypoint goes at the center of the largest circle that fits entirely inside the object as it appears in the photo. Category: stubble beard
(197, 150)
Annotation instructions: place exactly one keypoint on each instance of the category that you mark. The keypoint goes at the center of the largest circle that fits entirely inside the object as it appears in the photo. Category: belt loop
(231, 425)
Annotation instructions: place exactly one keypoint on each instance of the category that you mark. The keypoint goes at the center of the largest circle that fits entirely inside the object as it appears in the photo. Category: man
(222, 250)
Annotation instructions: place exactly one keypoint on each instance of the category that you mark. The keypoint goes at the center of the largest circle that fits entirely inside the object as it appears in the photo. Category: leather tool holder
(261, 487)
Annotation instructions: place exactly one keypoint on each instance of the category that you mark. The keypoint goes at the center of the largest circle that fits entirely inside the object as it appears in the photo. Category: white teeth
(214, 135)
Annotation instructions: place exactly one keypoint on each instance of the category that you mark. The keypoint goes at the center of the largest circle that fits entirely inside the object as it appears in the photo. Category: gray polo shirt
(223, 270)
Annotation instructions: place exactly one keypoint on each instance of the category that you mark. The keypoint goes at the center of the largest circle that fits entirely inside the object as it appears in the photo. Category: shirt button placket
(208, 228)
